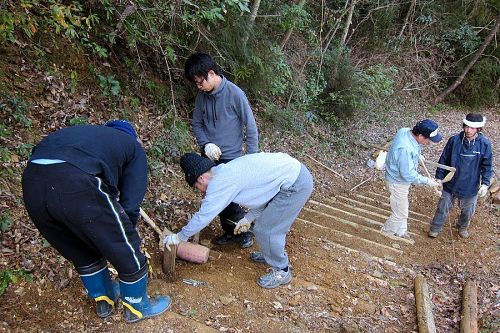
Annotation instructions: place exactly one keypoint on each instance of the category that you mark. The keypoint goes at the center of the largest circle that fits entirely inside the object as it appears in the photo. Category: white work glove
(212, 151)
(483, 190)
(242, 226)
(432, 183)
(380, 161)
(172, 239)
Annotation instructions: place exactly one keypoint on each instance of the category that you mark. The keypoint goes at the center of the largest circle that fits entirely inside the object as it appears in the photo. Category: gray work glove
(212, 151)
(242, 226)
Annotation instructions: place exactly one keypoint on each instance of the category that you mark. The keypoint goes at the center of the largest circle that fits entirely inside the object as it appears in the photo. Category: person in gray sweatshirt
(222, 118)
(273, 186)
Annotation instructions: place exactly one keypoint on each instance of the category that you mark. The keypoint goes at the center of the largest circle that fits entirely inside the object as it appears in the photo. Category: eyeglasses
(199, 82)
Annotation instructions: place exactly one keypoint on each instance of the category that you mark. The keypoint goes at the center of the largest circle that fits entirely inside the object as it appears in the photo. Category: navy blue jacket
(473, 161)
(108, 153)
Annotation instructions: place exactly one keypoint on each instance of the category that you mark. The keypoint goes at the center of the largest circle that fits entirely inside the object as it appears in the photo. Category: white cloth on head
(474, 124)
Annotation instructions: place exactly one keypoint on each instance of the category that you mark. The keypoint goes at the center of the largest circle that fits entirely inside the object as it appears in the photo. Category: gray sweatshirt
(219, 117)
(251, 181)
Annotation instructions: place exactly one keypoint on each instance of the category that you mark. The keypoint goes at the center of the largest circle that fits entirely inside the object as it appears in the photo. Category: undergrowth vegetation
(299, 62)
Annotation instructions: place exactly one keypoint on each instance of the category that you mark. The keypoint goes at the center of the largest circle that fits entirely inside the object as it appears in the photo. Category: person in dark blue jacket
(470, 153)
(82, 187)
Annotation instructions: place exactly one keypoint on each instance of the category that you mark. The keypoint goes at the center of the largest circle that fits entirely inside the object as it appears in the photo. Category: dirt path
(347, 276)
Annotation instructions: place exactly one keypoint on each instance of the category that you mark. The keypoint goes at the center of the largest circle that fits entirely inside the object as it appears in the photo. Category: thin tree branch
(474, 59)
(409, 13)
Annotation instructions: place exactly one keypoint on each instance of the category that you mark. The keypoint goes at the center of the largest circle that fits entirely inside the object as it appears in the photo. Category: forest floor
(347, 276)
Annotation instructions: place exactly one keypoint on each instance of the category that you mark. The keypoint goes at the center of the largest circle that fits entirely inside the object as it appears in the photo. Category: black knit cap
(194, 166)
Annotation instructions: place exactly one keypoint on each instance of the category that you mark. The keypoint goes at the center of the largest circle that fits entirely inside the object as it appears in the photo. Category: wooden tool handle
(436, 191)
(442, 166)
(152, 224)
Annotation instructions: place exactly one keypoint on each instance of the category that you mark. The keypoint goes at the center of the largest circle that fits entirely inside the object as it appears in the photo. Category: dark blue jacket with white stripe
(473, 161)
(108, 153)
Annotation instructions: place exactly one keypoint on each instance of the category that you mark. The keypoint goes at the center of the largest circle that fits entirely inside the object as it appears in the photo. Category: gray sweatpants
(272, 226)
(467, 209)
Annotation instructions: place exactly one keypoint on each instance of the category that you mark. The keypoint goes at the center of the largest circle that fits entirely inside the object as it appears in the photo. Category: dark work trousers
(233, 212)
(79, 218)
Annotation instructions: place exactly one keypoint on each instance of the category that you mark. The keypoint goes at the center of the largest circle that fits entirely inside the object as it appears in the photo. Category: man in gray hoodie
(273, 186)
(222, 117)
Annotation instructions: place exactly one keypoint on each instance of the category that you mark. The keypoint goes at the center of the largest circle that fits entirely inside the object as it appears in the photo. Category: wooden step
(387, 205)
(355, 242)
(355, 229)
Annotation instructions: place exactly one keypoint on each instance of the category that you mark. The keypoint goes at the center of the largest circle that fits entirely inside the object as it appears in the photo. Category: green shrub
(349, 90)
(109, 85)
(8, 276)
(479, 87)
(15, 108)
(4, 222)
(24, 150)
(76, 120)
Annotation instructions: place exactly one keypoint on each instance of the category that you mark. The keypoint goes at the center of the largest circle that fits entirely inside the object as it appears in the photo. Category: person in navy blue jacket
(470, 153)
(82, 187)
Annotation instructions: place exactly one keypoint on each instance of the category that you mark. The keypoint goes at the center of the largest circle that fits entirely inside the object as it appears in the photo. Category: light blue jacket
(402, 160)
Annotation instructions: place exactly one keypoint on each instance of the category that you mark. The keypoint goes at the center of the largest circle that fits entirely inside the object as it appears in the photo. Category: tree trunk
(468, 322)
(425, 319)
(251, 20)
(407, 18)
(348, 22)
(474, 59)
(255, 9)
(289, 31)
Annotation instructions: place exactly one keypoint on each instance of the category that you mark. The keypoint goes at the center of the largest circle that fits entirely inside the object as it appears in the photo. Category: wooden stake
(169, 255)
(468, 323)
(424, 313)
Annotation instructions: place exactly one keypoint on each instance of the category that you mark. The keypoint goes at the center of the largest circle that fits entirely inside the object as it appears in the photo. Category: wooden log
(468, 322)
(425, 318)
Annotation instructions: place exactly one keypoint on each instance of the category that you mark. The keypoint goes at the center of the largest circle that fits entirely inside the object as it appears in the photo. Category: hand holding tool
(242, 226)
(172, 239)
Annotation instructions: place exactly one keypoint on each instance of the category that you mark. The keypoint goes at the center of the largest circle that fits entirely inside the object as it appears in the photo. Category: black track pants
(233, 212)
(79, 218)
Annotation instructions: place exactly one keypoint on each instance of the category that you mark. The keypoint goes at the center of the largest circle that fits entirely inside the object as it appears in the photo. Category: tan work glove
(212, 151)
(242, 226)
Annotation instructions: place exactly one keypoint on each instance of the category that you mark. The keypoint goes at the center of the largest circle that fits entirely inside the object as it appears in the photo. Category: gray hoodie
(219, 117)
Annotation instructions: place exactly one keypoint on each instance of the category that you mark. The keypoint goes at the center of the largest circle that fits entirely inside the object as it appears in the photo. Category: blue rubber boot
(103, 290)
(137, 305)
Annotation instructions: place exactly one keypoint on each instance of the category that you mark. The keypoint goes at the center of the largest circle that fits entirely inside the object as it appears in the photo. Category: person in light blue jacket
(470, 153)
(401, 171)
